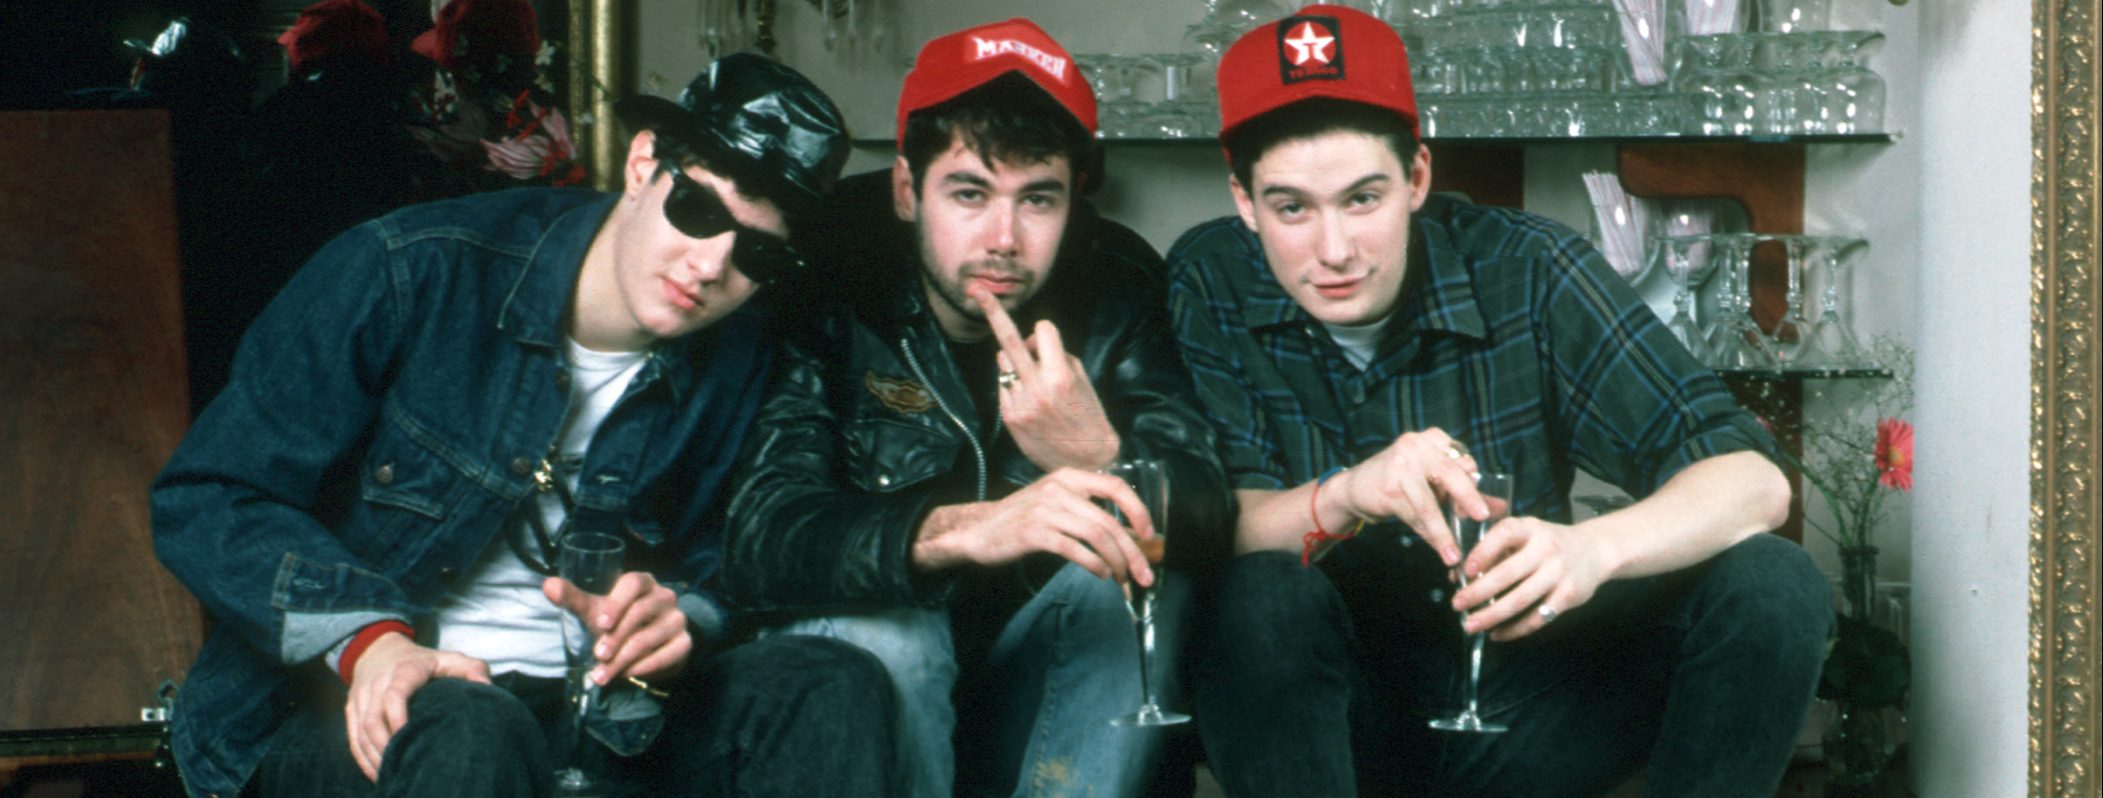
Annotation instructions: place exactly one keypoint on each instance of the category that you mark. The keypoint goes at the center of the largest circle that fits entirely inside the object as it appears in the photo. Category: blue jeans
(1321, 681)
(787, 716)
(1033, 719)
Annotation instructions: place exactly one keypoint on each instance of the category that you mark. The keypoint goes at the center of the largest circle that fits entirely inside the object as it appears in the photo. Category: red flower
(1895, 454)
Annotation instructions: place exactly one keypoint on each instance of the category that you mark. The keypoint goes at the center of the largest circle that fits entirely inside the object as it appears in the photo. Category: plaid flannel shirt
(1513, 335)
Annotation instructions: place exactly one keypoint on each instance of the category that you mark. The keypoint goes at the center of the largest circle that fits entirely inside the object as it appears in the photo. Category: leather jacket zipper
(978, 451)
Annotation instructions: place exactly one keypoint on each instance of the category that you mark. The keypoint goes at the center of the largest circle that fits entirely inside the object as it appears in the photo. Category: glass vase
(1857, 740)
(1857, 747)
(1858, 579)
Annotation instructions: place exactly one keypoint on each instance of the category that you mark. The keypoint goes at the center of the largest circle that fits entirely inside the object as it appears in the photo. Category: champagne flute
(591, 562)
(1496, 490)
(1146, 479)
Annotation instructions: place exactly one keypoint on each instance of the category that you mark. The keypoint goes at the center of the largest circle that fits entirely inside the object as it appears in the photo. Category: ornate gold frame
(597, 29)
(2063, 407)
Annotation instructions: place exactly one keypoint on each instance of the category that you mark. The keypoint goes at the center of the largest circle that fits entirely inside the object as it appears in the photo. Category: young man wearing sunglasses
(372, 510)
(923, 480)
(1366, 348)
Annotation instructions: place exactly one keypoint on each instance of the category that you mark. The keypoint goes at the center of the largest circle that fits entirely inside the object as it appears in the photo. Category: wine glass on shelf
(1788, 333)
(1227, 20)
(1827, 343)
(1687, 260)
(592, 563)
(1146, 478)
(1737, 342)
(1176, 115)
(1496, 490)
(1856, 92)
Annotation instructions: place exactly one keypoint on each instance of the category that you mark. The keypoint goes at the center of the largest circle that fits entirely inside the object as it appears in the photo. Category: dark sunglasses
(697, 211)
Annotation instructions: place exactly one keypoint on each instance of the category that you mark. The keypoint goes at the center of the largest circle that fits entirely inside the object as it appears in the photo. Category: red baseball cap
(492, 28)
(333, 29)
(1318, 51)
(965, 60)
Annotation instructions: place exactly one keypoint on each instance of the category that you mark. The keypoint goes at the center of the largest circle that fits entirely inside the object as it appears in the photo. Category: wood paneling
(92, 402)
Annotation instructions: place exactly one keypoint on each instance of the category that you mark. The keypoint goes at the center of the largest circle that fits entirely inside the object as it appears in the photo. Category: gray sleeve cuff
(314, 634)
(710, 621)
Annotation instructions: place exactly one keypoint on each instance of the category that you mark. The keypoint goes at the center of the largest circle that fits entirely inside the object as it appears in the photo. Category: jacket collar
(540, 299)
(538, 306)
(1439, 289)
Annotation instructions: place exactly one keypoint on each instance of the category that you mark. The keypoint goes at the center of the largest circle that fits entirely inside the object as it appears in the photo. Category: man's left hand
(1046, 399)
(637, 627)
(1536, 571)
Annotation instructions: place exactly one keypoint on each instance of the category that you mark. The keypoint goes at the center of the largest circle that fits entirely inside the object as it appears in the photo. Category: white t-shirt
(1359, 341)
(498, 614)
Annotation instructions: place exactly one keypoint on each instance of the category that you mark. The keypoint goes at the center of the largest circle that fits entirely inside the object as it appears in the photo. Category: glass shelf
(1785, 375)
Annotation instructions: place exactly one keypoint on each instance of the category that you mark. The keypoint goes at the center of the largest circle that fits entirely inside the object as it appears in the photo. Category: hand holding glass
(1496, 490)
(1147, 479)
(592, 563)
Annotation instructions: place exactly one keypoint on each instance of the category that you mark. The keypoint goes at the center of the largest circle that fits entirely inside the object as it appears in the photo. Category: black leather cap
(756, 121)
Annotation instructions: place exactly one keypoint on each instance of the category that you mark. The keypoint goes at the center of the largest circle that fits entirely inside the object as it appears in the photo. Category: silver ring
(1007, 379)
(1456, 450)
(1548, 614)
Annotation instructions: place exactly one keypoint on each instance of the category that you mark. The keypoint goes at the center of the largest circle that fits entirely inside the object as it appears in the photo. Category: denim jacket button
(384, 474)
(448, 574)
(521, 466)
(562, 379)
(883, 479)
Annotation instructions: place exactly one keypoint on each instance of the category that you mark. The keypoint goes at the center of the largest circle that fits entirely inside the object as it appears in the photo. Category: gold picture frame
(597, 62)
(2063, 357)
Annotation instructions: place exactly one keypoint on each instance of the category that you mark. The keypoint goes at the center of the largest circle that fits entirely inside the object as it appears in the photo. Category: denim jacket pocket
(406, 488)
(885, 455)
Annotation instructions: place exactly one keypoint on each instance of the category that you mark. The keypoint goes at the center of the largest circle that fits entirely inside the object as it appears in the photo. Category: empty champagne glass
(1737, 343)
(1496, 490)
(592, 562)
(1686, 259)
(1828, 343)
(1147, 479)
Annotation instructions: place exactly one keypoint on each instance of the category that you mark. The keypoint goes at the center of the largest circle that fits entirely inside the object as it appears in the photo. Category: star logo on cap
(1308, 44)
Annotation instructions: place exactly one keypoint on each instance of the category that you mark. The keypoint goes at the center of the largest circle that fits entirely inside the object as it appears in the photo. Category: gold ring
(1007, 379)
(1456, 450)
(646, 688)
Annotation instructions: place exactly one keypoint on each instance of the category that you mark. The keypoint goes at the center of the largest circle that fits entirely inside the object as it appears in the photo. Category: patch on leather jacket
(904, 396)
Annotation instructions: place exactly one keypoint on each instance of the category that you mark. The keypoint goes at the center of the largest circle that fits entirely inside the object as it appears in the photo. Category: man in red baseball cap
(1368, 352)
(929, 479)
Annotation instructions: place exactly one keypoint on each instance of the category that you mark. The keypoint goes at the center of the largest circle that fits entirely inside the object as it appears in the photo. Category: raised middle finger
(1009, 338)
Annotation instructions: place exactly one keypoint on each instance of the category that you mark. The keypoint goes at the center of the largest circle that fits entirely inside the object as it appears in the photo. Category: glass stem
(1145, 630)
(1474, 671)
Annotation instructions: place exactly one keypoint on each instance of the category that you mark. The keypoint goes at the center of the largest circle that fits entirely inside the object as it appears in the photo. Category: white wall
(1947, 270)
(1971, 486)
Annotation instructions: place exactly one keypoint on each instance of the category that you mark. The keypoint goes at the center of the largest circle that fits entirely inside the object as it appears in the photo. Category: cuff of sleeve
(1742, 434)
(709, 620)
(355, 648)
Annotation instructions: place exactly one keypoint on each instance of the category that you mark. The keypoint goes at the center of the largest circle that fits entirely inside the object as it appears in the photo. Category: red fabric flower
(1895, 454)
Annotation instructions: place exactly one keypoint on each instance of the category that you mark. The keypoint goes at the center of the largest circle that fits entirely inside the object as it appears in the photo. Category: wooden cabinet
(92, 402)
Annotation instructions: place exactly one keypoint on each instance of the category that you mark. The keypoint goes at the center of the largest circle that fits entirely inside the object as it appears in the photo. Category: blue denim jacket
(383, 420)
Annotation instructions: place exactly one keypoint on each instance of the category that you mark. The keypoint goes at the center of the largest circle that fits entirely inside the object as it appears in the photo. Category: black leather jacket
(869, 425)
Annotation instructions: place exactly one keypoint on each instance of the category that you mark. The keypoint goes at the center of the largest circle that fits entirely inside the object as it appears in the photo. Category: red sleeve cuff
(348, 663)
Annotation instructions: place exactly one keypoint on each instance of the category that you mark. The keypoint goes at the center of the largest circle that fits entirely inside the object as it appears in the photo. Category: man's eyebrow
(1295, 192)
(967, 178)
(1045, 184)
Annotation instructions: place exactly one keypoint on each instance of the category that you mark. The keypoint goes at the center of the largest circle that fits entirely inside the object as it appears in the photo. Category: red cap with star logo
(970, 58)
(1319, 51)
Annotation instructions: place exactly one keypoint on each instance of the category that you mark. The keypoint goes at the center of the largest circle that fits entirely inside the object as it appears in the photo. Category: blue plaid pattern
(1513, 335)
